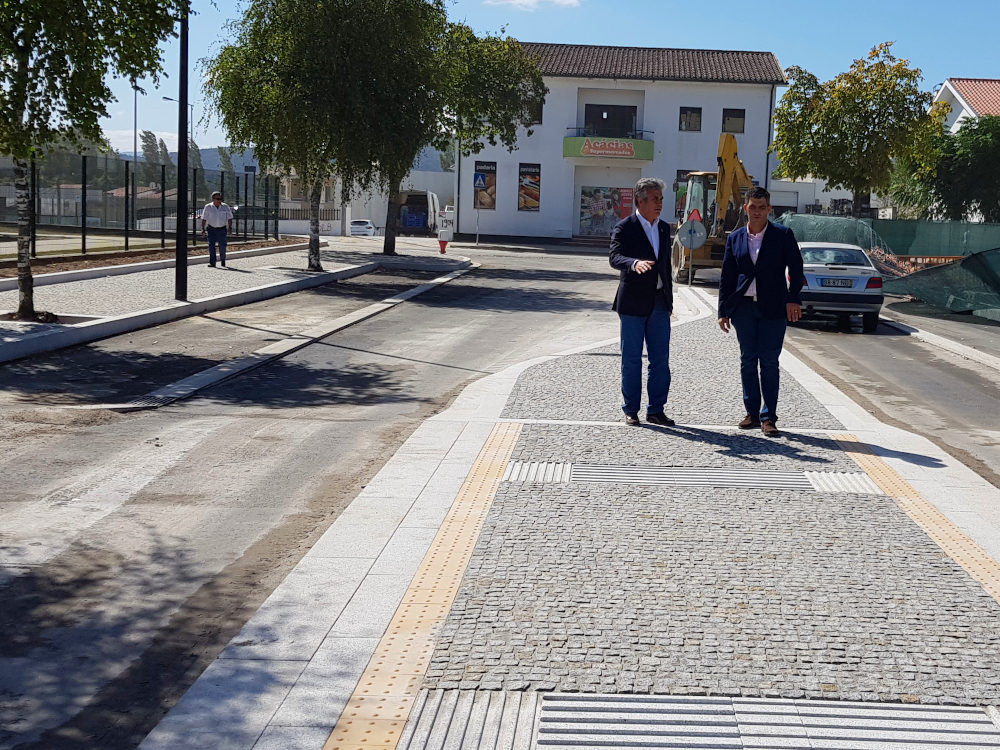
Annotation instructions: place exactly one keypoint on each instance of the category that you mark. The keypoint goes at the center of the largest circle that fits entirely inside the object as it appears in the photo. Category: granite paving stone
(722, 592)
(705, 385)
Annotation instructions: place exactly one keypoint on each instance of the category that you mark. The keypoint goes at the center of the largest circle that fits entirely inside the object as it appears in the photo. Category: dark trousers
(760, 340)
(216, 236)
(654, 330)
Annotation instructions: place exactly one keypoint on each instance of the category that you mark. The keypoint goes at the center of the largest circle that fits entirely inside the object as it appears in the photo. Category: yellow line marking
(377, 711)
(952, 540)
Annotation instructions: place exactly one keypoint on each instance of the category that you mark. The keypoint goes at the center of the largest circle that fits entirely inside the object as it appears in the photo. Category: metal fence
(134, 199)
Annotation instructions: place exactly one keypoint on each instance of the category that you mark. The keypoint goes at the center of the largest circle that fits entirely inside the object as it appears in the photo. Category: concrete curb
(60, 277)
(83, 333)
(967, 352)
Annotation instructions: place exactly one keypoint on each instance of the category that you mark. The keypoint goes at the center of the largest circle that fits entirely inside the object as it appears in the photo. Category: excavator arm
(733, 180)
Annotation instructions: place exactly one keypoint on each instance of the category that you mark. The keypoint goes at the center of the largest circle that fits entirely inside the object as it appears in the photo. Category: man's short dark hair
(758, 192)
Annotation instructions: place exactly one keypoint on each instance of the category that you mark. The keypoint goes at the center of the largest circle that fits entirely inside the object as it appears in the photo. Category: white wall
(659, 105)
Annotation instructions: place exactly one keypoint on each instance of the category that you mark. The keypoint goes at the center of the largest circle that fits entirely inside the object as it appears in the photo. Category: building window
(733, 120)
(690, 119)
(609, 120)
(536, 112)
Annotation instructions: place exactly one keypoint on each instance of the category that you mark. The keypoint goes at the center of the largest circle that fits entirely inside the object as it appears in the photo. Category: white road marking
(34, 533)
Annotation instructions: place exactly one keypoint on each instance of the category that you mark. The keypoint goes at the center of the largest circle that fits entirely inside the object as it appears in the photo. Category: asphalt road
(134, 546)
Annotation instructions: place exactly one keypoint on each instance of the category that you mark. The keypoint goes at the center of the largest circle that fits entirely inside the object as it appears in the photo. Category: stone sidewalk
(527, 571)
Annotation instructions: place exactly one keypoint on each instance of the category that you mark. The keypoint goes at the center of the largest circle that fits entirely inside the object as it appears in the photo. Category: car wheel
(869, 322)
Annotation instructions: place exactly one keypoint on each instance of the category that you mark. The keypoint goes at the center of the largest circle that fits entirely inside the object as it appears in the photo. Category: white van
(418, 213)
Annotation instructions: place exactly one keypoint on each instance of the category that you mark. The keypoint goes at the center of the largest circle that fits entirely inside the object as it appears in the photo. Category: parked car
(841, 280)
(362, 228)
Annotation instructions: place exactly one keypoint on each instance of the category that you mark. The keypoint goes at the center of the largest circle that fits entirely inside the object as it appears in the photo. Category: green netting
(937, 237)
(972, 283)
(901, 237)
(815, 228)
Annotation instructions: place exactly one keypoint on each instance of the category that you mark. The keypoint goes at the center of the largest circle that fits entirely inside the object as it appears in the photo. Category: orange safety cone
(443, 244)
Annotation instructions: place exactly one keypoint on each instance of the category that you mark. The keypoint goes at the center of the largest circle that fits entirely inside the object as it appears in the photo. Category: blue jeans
(216, 236)
(654, 329)
(760, 345)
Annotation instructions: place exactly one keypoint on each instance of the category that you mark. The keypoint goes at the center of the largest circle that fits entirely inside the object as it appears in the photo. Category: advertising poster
(603, 207)
(484, 184)
(529, 187)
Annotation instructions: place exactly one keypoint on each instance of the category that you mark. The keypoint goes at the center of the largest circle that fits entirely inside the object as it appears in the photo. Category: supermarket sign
(608, 148)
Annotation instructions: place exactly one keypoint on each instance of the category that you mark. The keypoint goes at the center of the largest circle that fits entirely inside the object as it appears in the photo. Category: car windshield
(834, 256)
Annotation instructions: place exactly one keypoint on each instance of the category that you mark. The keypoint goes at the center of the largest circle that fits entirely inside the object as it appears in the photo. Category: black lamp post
(180, 266)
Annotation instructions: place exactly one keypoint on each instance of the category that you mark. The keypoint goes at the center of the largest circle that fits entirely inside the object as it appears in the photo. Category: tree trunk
(391, 218)
(856, 203)
(314, 196)
(25, 282)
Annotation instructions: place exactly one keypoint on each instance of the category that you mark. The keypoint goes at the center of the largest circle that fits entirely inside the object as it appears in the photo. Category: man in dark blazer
(640, 250)
(759, 294)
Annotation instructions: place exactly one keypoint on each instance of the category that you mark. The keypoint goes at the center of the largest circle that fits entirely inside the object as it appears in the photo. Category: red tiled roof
(982, 94)
(656, 63)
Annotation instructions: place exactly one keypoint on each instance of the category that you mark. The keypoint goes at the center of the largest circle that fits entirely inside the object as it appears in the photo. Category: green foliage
(56, 55)
(225, 159)
(909, 192)
(849, 130)
(966, 183)
(364, 85)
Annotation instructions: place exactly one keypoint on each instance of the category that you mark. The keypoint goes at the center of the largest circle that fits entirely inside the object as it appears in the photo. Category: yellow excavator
(713, 207)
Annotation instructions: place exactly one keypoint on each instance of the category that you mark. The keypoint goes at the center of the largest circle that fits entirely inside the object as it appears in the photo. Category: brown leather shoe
(749, 423)
(769, 429)
(631, 418)
(660, 419)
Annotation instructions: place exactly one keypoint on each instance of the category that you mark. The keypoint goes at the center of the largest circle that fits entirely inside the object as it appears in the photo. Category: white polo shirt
(217, 216)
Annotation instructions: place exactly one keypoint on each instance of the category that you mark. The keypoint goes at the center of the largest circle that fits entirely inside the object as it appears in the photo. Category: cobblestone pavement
(608, 588)
(705, 385)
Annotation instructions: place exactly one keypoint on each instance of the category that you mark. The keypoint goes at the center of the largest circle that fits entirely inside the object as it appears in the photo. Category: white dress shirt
(653, 233)
(754, 241)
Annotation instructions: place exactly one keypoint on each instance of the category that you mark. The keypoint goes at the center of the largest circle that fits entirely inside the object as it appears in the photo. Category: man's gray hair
(216, 193)
(646, 184)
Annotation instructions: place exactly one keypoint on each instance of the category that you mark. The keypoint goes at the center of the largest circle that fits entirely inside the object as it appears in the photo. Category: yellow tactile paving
(951, 539)
(377, 711)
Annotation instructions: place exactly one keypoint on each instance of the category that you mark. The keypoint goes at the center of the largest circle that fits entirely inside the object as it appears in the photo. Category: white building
(613, 115)
(968, 97)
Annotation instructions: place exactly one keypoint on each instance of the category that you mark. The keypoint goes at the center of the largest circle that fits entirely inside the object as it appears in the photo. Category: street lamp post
(180, 256)
(191, 107)
(135, 149)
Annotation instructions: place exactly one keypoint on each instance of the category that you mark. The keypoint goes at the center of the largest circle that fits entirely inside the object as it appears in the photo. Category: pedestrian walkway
(100, 302)
(527, 571)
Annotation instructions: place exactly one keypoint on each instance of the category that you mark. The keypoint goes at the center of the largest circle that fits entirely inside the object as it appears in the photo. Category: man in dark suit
(758, 294)
(640, 250)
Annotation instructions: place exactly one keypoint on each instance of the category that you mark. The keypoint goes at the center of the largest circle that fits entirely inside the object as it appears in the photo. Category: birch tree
(54, 58)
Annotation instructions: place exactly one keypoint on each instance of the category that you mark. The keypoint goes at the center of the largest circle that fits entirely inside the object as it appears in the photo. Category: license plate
(836, 282)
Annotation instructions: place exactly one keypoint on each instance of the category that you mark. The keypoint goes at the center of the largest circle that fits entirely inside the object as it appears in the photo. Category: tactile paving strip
(951, 539)
(377, 711)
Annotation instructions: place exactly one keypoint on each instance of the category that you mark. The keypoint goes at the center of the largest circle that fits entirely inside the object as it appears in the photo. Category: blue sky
(943, 40)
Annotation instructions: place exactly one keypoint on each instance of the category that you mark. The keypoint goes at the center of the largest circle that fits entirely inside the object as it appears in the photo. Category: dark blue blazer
(778, 272)
(637, 292)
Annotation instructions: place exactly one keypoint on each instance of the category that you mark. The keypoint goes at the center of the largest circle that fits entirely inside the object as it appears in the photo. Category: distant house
(969, 97)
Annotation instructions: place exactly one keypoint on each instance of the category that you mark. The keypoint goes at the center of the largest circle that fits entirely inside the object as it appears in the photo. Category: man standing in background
(218, 217)
(640, 250)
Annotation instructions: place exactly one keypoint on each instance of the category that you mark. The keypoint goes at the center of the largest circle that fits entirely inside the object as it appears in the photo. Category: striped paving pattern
(495, 720)
(675, 476)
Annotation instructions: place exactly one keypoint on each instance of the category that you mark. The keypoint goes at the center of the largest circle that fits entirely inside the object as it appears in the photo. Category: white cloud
(534, 4)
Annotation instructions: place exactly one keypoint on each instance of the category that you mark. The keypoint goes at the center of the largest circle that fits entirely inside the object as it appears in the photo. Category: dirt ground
(53, 264)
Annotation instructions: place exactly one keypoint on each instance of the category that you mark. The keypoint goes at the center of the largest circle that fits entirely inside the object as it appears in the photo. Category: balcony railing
(589, 131)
